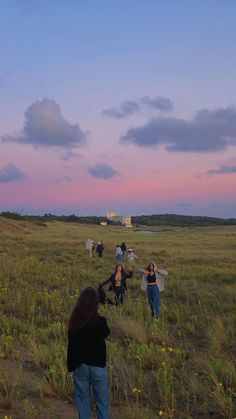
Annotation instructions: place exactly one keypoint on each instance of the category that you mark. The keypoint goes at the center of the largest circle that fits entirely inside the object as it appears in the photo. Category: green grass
(181, 366)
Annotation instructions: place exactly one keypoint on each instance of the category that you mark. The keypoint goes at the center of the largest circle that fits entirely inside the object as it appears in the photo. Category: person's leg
(157, 301)
(150, 299)
(122, 295)
(100, 390)
(82, 383)
(116, 295)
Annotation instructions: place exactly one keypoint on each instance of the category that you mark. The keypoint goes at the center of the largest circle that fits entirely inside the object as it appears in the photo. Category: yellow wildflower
(136, 390)
(161, 413)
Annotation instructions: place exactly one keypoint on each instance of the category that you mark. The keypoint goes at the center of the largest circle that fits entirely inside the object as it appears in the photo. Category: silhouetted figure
(100, 249)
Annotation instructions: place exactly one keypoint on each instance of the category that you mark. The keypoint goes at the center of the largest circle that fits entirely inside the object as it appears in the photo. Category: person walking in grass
(117, 282)
(150, 282)
(99, 249)
(131, 259)
(119, 253)
(86, 355)
(89, 247)
(123, 248)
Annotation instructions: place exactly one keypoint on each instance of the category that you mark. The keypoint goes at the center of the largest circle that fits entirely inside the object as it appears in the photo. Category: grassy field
(181, 366)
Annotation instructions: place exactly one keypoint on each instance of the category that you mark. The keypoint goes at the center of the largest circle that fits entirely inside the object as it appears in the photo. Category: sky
(125, 105)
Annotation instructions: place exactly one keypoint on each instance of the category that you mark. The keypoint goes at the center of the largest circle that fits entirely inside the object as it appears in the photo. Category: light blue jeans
(85, 377)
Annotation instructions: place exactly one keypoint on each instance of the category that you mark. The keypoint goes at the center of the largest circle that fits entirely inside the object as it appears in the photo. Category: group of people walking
(90, 247)
(87, 331)
(121, 252)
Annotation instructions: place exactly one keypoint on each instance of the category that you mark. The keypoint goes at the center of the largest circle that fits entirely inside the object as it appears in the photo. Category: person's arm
(136, 257)
(72, 352)
(104, 328)
(107, 281)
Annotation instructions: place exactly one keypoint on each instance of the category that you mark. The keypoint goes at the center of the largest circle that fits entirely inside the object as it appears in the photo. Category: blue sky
(91, 56)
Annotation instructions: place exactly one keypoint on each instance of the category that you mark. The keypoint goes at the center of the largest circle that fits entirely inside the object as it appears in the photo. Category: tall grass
(181, 366)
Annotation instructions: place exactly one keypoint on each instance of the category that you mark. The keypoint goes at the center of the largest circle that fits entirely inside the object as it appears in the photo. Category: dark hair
(85, 311)
(122, 270)
(148, 267)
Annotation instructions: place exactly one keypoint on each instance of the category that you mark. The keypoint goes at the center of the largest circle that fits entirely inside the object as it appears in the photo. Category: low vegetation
(181, 366)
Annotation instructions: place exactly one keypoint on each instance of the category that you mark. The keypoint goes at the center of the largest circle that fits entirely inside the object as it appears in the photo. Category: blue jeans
(154, 300)
(85, 377)
(119, 293)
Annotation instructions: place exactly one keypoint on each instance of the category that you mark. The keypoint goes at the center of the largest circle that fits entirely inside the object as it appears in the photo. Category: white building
(117, 218)
(112, 214)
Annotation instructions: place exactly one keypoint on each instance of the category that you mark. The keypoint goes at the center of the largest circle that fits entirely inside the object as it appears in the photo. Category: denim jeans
(120, 293)
(85, 377)
(154, 300)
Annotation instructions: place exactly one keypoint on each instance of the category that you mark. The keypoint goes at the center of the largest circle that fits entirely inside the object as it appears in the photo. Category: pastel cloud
(68, 155)
(162, 104)
(11, 173)
(45, 126)
(208, 131)
(63, 179)
(102, 171)
(222, 170)
(130, 107)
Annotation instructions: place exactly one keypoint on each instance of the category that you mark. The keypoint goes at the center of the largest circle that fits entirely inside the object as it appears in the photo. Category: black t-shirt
(88, 345)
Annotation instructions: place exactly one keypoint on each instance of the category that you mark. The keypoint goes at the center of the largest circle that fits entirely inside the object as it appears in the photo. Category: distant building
(117, 218)
(112, 214)
(127, 221)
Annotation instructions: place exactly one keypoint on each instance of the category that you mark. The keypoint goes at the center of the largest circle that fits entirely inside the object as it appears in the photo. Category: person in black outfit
(102, 297)
(117, 282)
(123, 248)
(86, 355)
(99, 249)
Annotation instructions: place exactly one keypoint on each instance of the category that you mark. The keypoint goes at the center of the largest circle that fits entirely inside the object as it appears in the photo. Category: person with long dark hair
(153, 292)
(153, 281)
(117, 282)
(86, 355)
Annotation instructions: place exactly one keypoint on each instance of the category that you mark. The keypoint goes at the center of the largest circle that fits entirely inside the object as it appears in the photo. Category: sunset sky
(125, 105)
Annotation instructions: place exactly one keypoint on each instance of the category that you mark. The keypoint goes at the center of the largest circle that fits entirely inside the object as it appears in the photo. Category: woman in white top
(131, 259)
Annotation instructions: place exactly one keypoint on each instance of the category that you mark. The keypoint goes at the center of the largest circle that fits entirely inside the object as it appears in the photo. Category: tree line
(172, 220)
